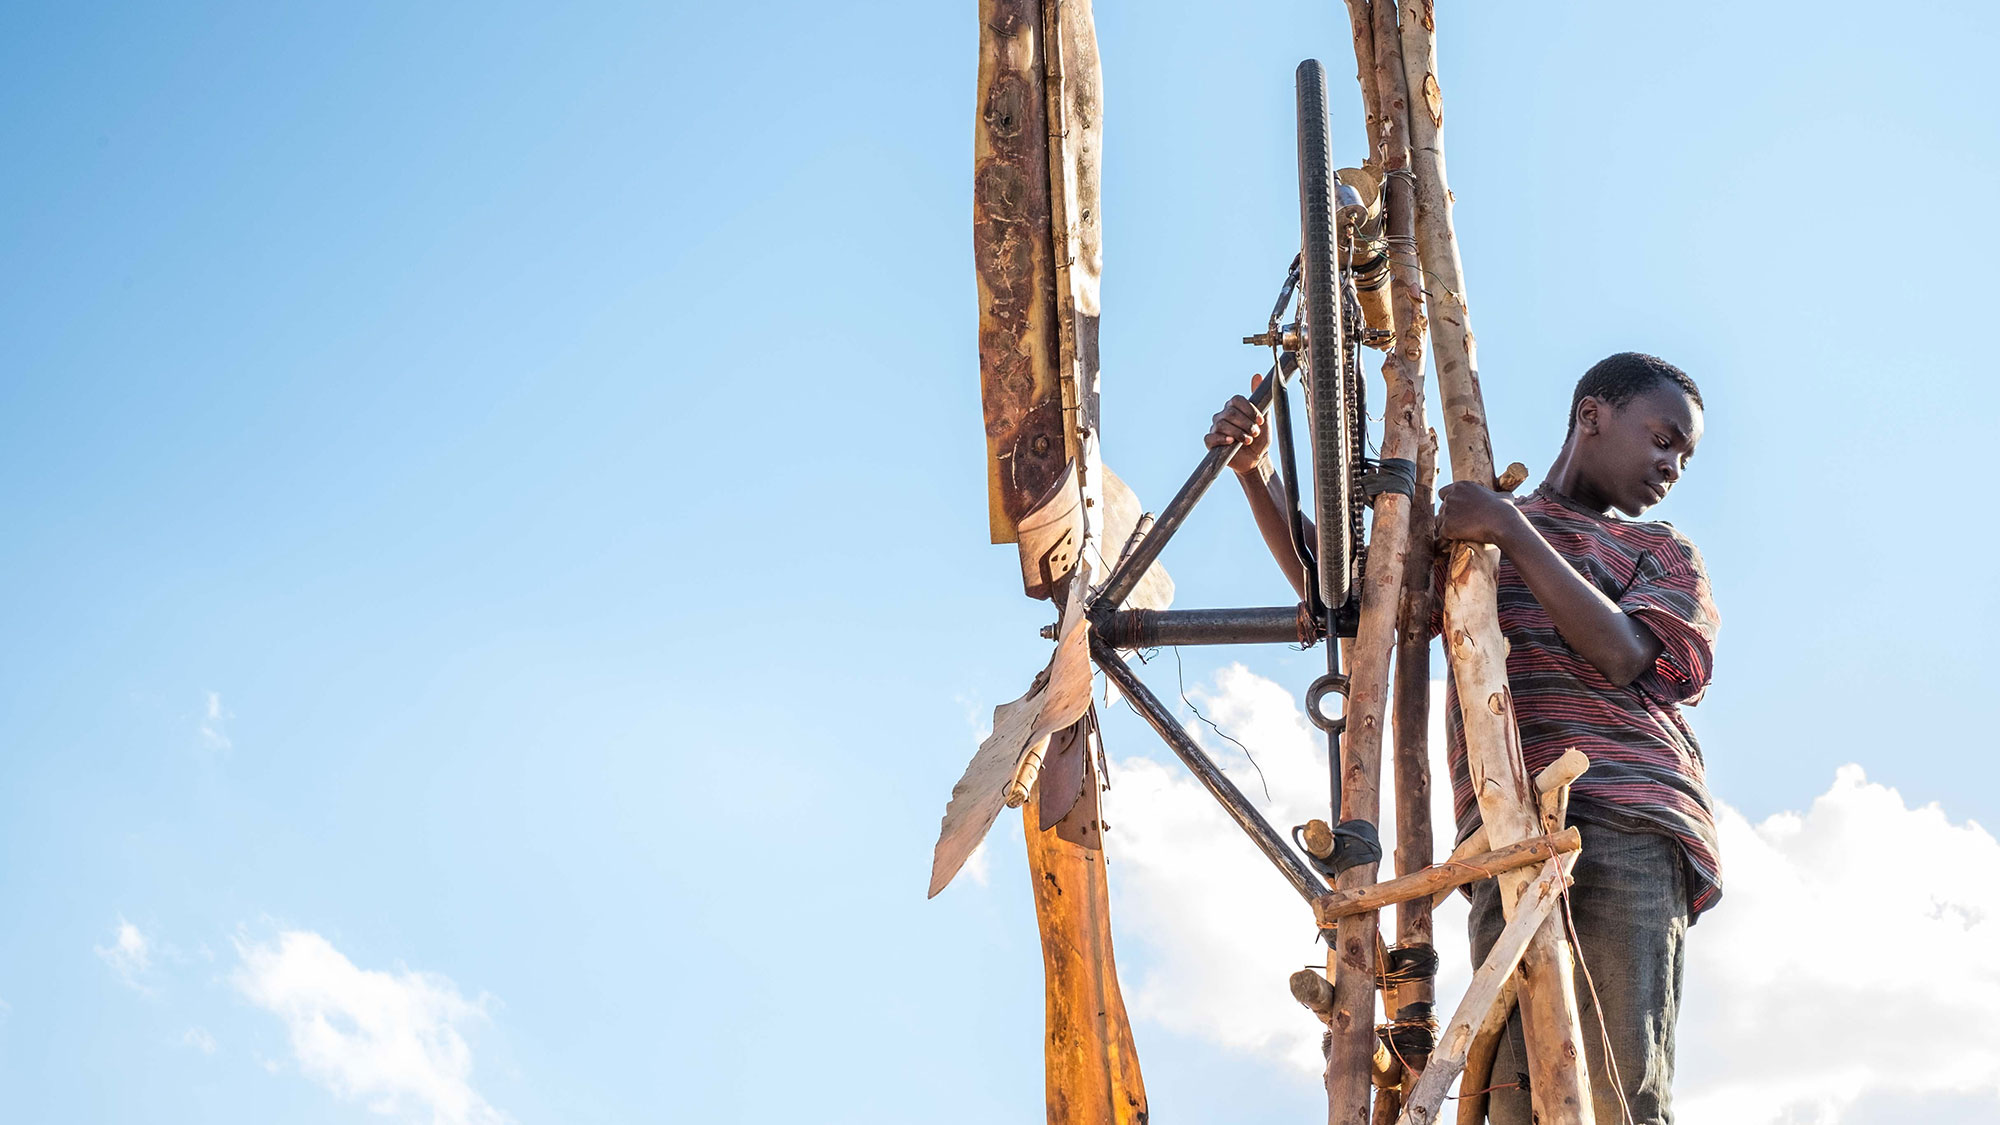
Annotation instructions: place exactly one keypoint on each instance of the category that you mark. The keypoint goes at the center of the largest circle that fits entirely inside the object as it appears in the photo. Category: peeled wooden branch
(1552, 787)
(1478, 1077)
(1534, 910)
(1472, 626)
(1551, 796)
(1452, 873)
(1315, 992)
(1347, 1080)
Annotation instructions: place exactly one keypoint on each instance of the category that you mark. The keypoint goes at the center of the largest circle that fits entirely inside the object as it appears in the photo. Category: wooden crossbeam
(1535, 908)
(1452, 873)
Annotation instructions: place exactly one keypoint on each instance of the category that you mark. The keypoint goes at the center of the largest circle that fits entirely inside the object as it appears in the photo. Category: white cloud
(1853, 966)
(1855, 958)
(215, 723)
(392, 1041)
(1221, 929)
(199, 1039)
(130, 954)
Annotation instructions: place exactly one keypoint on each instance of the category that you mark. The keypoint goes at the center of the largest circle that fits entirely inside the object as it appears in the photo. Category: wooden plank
(1092, 1066)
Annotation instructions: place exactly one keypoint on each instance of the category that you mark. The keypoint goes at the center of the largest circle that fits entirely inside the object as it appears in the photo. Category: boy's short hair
(1618, 379)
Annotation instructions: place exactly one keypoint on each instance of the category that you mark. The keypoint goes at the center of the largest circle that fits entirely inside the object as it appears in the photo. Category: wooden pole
(1474, 1086)
(1411, 713)
(1361, 25)
(1357, 937)
(1478, 651)
(1536, 906)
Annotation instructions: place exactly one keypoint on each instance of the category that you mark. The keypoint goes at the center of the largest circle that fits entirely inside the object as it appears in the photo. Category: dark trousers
(1630, 907)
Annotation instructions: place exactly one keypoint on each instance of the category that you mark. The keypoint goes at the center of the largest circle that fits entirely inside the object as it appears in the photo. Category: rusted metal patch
(1013, 262)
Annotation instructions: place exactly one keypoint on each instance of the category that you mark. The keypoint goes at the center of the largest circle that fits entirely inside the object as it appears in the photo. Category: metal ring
(1332, 681)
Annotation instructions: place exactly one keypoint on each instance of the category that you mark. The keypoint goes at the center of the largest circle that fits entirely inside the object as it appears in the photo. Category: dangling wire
(1180, 680)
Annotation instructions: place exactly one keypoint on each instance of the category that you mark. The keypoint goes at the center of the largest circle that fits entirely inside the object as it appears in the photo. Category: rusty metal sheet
(1052, 537)
(1037, 247)
(1062, 771)
(1011, 756)
(1013, 258)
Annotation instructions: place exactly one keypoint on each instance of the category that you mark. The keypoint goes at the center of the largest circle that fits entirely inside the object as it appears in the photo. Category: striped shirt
(1646, 770)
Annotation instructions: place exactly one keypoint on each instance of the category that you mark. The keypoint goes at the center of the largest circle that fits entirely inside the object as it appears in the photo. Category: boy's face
(1633, 454)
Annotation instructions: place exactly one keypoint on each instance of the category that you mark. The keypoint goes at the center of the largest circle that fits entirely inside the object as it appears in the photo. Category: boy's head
(1633, 424)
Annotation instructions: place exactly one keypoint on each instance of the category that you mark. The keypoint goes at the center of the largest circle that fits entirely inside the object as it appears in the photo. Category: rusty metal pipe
(1153, 628)
(1125, 576)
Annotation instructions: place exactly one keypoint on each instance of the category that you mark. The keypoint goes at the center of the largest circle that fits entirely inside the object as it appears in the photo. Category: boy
(1612, 629)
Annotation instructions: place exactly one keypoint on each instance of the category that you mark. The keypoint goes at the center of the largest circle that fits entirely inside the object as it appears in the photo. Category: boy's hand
(1472, 513)
(1238, 423)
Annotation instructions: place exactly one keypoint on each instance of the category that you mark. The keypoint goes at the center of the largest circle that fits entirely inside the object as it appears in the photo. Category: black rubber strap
(1354, 843)
(1390, 474)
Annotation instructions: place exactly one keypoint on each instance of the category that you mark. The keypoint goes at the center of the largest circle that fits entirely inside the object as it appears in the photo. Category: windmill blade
(1066, 770)
(1009, 761)
(1051, 536)
(1123, 520)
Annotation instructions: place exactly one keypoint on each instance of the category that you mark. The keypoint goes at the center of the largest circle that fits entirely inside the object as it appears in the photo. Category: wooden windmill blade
(1037, 261)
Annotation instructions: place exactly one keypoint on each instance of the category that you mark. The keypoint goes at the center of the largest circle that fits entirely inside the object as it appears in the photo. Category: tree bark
(1473, 639)
(1361, 24)
(1411, 711)
(1357, 937)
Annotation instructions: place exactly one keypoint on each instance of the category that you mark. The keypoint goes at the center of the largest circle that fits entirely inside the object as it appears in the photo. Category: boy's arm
(1238, 423)
(1616, 643)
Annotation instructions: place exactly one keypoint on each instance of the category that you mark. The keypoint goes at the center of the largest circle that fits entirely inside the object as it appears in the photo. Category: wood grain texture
(1452, 873)
(1091, 1065)
(1380, 66)
(1535, 909)
(1473, 639)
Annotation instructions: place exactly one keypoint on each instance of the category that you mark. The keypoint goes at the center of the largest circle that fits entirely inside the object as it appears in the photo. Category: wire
(1179, 679)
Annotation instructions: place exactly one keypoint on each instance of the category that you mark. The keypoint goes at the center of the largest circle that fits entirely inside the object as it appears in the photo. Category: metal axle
(1154, 628)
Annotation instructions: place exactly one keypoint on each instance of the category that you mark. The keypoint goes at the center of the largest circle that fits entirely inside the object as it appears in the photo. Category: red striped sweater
(1646, 770)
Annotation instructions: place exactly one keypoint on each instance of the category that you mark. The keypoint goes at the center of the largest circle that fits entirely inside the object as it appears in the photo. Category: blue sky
(497, 491)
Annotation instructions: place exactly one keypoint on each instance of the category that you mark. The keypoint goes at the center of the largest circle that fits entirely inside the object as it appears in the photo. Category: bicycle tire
(1328, 399)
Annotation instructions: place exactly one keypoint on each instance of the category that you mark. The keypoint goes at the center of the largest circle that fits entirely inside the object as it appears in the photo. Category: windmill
(1368, 237)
